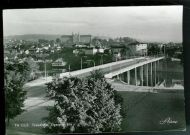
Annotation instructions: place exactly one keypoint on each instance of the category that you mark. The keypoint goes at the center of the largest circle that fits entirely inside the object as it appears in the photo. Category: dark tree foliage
(15, 75)
(83, 106)
(153, 49)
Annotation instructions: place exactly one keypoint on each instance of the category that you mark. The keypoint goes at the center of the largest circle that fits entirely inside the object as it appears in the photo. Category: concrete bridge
(109, 70)
(112, 69)
(144, 69)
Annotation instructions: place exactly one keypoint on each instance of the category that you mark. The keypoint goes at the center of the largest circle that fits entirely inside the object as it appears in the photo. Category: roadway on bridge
(105, 68)
(133, 65)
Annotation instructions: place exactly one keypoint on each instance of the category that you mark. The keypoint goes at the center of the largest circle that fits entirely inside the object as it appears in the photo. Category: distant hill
(33, 37)
(102, 37)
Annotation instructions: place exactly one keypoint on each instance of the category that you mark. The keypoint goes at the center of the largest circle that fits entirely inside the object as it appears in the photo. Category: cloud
(145, 22)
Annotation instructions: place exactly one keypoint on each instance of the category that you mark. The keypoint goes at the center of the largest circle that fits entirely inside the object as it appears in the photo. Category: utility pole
(92, 61)
(102, 60)
(164, 50)
(81, 62)
(69, 69)
(45, 69)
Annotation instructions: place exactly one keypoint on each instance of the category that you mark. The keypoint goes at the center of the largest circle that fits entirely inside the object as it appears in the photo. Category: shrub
(83, 106)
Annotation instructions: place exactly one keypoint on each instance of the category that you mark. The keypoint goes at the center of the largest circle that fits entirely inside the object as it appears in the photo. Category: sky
(147, 23)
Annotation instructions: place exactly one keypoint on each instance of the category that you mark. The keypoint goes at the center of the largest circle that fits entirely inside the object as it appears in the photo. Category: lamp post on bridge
(136, 76)
(45, 69)
(69, 69)
(81, 61)
(91, 61)
(101, 59)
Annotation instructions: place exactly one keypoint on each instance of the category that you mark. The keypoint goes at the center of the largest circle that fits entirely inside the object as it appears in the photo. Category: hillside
(33, 37)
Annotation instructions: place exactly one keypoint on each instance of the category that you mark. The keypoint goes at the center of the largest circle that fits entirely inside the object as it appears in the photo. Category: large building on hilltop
(76, 39)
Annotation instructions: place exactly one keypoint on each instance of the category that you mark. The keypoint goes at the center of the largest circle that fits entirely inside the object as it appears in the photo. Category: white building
(90, 51)
(59, 63)
(100, 50)
(139, 48)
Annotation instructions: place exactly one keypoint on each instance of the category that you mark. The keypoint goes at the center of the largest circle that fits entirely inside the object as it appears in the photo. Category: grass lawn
(31, 117)
(146, 110)
(36, 91)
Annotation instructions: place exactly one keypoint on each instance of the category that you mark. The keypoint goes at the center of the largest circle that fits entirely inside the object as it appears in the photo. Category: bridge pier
(122, 76)
(151, 73)
(141, 75)
(125, 76)
(155, 73)
(118, 77)
(136, 76)
(128, 77)
(147, 74)
(158, 70)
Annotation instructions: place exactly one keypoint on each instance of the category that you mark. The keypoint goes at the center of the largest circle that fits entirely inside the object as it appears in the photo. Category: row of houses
(135, 49)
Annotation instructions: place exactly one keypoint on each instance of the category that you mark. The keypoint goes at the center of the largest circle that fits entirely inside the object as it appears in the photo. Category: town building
(139, 48)
(58, 63)
(118, 51)
(69, 40)
(100, 50)
(90, 51)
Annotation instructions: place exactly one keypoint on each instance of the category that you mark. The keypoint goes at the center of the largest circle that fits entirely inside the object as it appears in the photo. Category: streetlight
(91, 61)
(164, 50)
(69, 68)
(102, 61)
(81, 61)
(45, 69)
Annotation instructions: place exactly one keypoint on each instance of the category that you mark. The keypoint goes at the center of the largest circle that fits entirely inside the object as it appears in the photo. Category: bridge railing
(108, 65)
(120, 71)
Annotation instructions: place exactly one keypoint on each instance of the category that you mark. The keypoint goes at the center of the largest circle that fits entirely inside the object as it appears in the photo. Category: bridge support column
(158, 63)
(122, 77)
(118, 77)
(147, 75)
(151, 73)
(155, 73)
(141, 74)
(136, 76)
(158, 68)
(128, 77)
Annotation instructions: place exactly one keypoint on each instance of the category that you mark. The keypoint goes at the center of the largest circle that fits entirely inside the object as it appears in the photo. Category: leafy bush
(15, 75)
(83, 106)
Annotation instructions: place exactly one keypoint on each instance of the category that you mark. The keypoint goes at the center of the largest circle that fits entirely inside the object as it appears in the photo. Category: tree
(33, 68)
(15, 75)
(58, 40)
(153, 49)
(83, 106)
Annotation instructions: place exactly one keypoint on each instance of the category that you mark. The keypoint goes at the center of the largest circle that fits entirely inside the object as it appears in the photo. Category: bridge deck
(113, 67)
(132, 66)
(106, 68)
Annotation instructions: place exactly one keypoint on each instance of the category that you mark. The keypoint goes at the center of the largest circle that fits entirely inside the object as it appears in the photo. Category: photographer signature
(168, 120)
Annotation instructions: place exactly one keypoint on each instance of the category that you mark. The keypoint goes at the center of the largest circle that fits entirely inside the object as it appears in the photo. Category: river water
(165, 74)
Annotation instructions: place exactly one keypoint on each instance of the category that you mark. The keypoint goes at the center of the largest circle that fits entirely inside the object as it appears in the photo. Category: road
(131, 65)
(105, 68)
